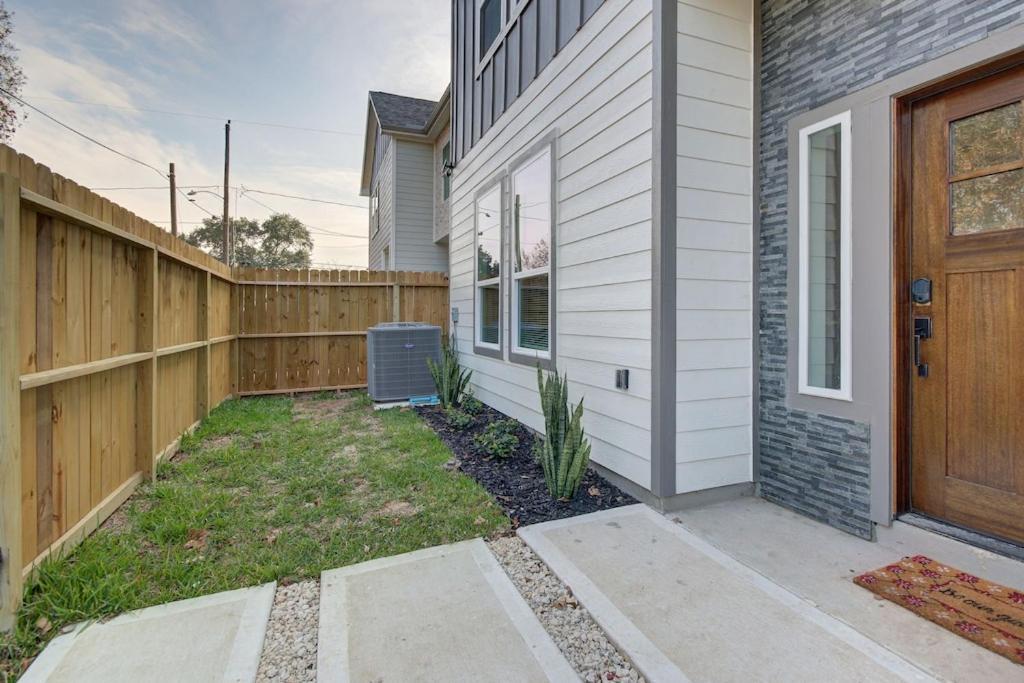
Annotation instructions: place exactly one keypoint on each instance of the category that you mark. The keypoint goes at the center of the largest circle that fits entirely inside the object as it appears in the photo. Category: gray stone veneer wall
(813, 52)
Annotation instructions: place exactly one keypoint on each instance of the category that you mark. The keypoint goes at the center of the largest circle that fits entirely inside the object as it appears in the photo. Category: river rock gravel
(577, 635)
(289, 648)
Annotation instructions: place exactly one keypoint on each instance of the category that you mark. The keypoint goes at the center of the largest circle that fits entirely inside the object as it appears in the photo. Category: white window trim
(845, 390)
(546, 270)
(479, 284)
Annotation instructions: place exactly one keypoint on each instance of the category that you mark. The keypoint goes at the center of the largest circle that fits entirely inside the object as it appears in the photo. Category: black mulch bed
(517, 482)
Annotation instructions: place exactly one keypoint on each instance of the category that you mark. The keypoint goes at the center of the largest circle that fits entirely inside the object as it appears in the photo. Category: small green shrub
(499, 439)
(457, 419)
(449, 377)
(564, 450)
(471, 405)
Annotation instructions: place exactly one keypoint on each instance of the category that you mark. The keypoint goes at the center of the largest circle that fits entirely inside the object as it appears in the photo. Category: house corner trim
(663, 248)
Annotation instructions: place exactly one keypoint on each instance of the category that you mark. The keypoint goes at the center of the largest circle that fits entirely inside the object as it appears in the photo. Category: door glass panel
(987, 139)
(992, 202)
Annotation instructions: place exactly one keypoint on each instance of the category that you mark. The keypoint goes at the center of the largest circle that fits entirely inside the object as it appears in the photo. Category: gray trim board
(663, 249)
(486, 187)
(549, 140)
(755, 253)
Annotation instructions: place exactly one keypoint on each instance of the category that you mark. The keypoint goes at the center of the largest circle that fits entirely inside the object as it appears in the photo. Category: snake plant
(564, 450)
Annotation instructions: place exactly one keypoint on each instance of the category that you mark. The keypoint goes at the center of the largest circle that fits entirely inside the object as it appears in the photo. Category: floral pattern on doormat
(986, 613)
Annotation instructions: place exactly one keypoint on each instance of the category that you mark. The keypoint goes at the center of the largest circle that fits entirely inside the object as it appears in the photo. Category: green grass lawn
(266, 489)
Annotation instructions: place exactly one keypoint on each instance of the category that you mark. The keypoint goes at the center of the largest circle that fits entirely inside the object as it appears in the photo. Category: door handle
(922, 331)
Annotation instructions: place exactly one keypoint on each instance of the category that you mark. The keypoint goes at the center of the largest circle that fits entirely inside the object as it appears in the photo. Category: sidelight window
(825, 335)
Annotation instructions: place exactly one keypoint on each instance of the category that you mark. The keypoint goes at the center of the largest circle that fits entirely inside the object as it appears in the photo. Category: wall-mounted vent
(397, 356)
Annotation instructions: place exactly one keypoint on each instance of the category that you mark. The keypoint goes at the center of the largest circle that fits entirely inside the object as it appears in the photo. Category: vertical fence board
(11, 547)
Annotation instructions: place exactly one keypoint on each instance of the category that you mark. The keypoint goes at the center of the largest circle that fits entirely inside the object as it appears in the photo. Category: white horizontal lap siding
(597, 93)
(414, 209)
(385, 207)
(714, 176)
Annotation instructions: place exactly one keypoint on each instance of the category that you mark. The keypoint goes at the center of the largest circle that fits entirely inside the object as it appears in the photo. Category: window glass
(532, 207)
(824, 163)
(490, 24)
(987, 139)
(446, 179)
(531, 251)
(488, 269)
(533, 313)
(488, 221)
(490, 297)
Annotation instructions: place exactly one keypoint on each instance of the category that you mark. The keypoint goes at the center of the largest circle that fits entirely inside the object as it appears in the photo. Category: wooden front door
(967, 248)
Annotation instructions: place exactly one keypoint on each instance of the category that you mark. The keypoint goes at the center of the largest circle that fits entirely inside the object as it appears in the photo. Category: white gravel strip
(572, 628)
(289, 649)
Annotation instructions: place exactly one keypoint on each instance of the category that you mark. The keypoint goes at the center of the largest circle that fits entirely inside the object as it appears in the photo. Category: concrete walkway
(213, 638)
(736, 591)
(441, 614)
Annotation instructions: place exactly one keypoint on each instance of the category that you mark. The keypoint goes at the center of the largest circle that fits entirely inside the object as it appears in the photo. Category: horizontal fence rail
(116, 339)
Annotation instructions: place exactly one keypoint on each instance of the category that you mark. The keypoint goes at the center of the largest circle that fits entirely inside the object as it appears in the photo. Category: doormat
(987, 613)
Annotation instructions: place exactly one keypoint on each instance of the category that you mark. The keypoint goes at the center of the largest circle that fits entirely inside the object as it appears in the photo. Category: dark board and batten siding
(539, 31)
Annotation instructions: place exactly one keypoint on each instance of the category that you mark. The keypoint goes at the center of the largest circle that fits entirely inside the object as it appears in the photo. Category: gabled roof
(400, 112)
(409, 118)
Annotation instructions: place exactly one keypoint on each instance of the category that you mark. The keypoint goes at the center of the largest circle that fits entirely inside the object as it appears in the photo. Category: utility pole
(227, 222)
(174, 203)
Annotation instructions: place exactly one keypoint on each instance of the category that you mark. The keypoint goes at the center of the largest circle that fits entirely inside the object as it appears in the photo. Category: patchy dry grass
(266, 489)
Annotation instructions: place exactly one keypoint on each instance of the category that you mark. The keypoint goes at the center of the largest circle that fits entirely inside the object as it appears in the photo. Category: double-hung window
(487, 278)
(531, 252)
(825, 259)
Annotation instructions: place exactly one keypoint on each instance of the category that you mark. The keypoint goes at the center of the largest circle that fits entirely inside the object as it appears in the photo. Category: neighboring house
(407, 143)
(720, 198)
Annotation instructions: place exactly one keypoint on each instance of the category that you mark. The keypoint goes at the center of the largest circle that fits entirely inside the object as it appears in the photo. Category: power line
(80, 133)
(305, 199)
(97, 142)
(208, 117)
(312, 228)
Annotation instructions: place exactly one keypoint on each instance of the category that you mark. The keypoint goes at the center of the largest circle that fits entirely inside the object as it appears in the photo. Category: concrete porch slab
(817, 562)
(209, 639)
(684, 611)
(441, 614)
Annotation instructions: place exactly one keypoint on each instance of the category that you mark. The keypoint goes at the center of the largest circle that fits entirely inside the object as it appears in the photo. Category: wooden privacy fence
(306, 329)
(117, 338)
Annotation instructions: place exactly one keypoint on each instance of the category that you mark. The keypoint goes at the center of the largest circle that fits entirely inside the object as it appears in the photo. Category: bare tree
(12, 78)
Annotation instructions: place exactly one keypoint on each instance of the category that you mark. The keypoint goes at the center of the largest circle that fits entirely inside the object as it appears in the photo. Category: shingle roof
(406, 113)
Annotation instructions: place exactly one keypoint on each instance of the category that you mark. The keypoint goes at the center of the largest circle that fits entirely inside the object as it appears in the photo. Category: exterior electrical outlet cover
(397, 356)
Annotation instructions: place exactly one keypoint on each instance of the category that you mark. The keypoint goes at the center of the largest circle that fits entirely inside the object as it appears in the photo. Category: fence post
(11, 561)
(396, 302)
(203, 380)
(146, 431)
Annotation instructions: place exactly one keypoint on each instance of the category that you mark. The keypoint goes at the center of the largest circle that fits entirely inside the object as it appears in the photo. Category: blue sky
(306, 63)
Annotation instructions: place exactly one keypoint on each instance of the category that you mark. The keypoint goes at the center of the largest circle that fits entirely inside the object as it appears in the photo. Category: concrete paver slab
(682, 610)
(817, 562)
(203, 640)
(441, 614)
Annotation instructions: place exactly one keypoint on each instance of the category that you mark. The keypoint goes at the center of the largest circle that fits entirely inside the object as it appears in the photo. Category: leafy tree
(12, 78)
(281, 241)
